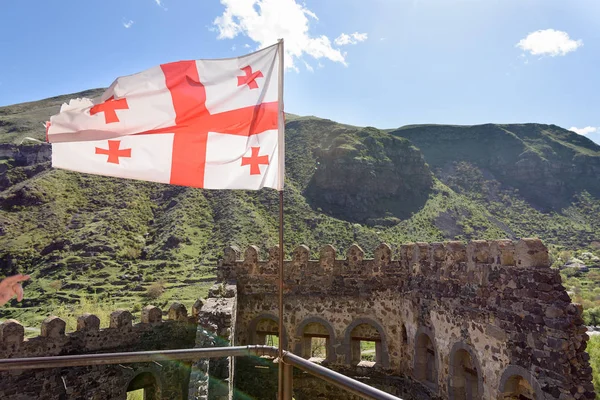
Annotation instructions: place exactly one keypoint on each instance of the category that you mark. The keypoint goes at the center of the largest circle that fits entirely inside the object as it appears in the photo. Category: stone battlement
(489, 318)
(100, 382)
(471, 263)
(89, 337)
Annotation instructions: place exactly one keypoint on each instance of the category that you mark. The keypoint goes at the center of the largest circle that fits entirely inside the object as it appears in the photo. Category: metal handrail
(351, 385)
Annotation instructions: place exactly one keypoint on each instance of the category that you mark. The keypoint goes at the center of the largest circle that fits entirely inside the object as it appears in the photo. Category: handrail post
(288, 381)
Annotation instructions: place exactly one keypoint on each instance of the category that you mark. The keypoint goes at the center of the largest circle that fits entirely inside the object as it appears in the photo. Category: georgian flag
(215, 124)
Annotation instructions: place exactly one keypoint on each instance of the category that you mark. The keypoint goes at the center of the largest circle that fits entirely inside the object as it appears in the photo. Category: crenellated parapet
(178, 328)
(473, 263)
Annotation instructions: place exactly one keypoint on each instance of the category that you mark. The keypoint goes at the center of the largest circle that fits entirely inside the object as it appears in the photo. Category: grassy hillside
(89, 238)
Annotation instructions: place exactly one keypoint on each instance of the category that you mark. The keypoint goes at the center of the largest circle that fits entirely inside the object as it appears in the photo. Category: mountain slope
(81, 235)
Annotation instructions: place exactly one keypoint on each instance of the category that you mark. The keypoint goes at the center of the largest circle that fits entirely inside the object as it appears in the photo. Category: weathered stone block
(197, 307)
(177, 312)
(274, 254)
(121, 319)
(478, 252)
(438, 252)
(301, 255)
(88, 322)
(532, 253)
(382, 255)
(408, 252)
(503, 252)
(11, 332)
(151, 315)
(53, 327)
(327, 257)
(231, 255)
(456, 252)
(355, 255)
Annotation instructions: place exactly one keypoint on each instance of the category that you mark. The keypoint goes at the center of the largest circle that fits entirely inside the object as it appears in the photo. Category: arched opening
(267, 332)
(143, 387)
(518, 388)
(315, 341)
(425, 366)
(365, 345)
(464, 379)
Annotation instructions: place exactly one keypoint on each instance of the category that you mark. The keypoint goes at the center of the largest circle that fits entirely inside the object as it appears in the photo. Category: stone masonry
(487, 320)
(164, 380)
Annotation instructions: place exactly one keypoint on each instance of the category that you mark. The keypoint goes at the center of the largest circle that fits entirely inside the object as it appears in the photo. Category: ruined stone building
(487, 320)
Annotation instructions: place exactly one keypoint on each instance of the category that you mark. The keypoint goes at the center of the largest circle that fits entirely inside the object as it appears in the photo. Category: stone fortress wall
(164, 380)
(486, 320)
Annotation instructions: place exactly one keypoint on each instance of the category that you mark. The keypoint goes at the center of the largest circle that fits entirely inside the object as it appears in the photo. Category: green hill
(127, 241)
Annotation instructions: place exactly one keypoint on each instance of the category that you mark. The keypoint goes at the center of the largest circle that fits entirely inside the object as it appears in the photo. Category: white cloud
(549, 42)
(128, 24)
(246, 46)
(584, 131)
(160, 4)
(309, 67)
(352, 38)
(233, 48)
(266, 21)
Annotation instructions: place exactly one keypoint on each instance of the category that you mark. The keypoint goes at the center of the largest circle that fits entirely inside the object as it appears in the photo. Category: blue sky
(383, 63)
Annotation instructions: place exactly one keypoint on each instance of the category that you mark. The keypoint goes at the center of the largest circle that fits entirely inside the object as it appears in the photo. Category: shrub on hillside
(591, 316)
(155, 290)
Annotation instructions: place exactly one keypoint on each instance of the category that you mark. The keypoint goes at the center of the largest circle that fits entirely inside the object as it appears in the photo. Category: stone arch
(381, 350)
(263, 325)
(465, 380)
(147, 380)
(518, 383)
(305, 345)
(426, 361)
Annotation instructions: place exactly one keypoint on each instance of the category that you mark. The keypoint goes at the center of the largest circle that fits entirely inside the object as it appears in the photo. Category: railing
(289, 360)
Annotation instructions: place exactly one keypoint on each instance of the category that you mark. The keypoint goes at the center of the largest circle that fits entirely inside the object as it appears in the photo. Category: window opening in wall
(404, 335)
(365, 342)
(518, 388)
(272, 340)
(318, 347)
(425, 369)
(267, 333)
(143, 387)
(316, 341)
(136, 395)
(367, 350)
(465, 379)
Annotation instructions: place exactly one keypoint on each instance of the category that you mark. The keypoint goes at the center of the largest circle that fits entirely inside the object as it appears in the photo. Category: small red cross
(114, 152)
(109, 107)
(254, 161)
(250, 78)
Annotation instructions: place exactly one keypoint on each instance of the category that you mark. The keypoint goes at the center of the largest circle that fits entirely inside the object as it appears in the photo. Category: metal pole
(280, 349)
(291, 360)
(288, 378)
(281, 136)
(123, 358)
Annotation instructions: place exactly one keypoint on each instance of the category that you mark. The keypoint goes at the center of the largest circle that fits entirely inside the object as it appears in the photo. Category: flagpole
(281, 128)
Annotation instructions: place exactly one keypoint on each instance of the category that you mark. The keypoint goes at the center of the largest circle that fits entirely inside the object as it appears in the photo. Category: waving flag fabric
(214, 124)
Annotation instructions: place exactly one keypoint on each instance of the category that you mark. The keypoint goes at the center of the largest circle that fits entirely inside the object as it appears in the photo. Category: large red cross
(193, 122)
(250, 78)
(109, 108)
(114, 152)
(254, 161)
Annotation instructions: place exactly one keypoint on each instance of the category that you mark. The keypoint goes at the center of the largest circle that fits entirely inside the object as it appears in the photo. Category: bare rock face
(370, 177)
